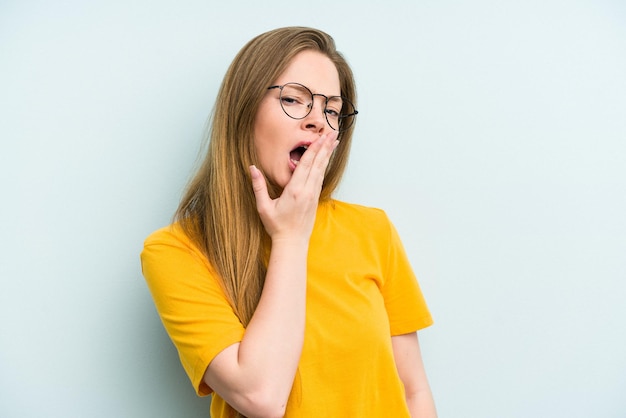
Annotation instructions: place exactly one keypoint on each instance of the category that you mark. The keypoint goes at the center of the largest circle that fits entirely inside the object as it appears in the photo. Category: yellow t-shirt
(361, 290)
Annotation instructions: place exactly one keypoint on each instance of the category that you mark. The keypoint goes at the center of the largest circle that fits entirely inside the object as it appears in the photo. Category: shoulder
(170, 241)
(363, 220)
(358, 213)
(169, 235)
(169, 253)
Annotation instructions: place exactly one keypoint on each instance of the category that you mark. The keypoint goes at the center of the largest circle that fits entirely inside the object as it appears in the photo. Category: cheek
(262, 139)
(271, 130)
(264, 125)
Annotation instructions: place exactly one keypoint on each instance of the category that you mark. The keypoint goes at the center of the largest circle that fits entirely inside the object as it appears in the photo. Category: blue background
(493, 133)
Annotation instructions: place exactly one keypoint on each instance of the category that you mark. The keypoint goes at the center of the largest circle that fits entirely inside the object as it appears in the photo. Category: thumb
(259, 186)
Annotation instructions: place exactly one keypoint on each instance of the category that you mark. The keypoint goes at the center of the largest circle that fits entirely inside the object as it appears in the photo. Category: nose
(315, 120)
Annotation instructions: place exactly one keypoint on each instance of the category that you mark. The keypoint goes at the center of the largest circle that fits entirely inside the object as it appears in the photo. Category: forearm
(256, 375)
(271, 347)
(408, 357)
(421, 404)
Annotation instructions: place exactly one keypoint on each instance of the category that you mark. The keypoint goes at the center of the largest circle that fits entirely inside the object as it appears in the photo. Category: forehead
(314, 70)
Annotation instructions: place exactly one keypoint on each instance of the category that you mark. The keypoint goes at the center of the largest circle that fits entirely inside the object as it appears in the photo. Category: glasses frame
(310, 106)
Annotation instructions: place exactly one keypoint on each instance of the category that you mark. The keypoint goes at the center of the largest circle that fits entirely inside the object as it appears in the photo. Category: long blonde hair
(218, 210)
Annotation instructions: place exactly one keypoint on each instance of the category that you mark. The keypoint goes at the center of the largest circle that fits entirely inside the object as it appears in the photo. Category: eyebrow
(278, 85)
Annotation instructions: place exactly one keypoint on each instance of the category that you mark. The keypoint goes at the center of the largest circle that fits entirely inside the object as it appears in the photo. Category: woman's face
(278, 139)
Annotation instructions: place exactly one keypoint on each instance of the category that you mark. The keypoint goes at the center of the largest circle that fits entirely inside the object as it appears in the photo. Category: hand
(292, 215)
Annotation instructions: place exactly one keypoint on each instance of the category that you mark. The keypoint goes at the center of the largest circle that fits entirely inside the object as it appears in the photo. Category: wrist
(290, 242)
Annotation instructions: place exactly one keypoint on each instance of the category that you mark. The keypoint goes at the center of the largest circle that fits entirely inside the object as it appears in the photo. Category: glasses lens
(296, 100)
(340, 113)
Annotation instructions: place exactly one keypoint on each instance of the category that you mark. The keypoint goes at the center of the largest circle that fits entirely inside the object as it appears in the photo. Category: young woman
(280, 300)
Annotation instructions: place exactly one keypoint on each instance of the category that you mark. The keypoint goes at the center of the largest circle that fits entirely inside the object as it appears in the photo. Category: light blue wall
(493, 133)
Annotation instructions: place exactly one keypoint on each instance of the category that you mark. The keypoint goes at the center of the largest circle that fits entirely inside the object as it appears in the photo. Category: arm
(406, 350)
(255, 376)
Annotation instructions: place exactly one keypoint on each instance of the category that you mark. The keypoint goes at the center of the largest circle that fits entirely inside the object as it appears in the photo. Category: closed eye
(333, 107)
(332, 113)
(292, 100)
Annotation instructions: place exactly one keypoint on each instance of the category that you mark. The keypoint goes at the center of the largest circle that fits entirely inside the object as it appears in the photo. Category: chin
(279, 182)
(282, 184)
(283, 180)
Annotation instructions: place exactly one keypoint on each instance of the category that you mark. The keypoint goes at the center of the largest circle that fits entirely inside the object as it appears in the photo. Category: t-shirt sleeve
(404, 301)
(190, 302)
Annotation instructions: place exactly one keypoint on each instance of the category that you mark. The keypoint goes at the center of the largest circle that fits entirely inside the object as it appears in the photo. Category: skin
(275, 133)
(408, 356)
(255, 376)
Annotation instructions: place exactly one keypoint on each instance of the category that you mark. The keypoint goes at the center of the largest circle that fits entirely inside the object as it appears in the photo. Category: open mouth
(296, 154)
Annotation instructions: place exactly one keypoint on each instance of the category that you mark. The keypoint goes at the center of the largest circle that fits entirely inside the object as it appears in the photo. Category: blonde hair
(218, 210)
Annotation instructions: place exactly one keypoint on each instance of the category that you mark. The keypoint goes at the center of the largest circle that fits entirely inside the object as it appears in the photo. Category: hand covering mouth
(296, 154)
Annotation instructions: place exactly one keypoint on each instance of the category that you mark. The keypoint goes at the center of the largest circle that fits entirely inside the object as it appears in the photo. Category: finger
(312, 167)
(303, 169)
(321, 158)
(306, 174)
(320, 150)
(259, 186)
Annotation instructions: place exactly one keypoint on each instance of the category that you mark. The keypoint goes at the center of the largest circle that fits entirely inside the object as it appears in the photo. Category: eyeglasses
(297, 102)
